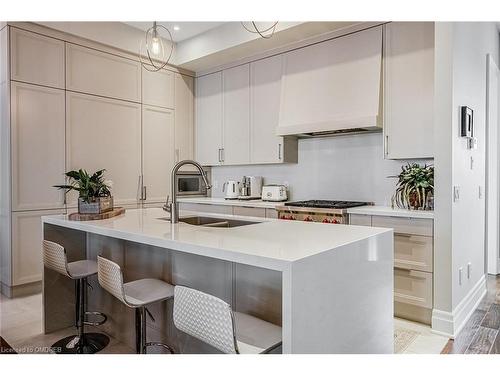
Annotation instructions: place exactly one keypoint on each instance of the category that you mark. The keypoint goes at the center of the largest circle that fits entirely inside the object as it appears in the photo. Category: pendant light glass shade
(153, 53)
(264, 32)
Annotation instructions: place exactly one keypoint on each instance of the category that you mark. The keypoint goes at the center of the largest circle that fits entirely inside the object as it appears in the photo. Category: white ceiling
(186, 29)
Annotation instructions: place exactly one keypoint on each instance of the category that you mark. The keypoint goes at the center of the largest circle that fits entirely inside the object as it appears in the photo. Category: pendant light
(153, 53)
(265, 33)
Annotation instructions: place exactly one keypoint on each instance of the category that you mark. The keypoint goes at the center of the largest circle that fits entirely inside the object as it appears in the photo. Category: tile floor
(21, 327)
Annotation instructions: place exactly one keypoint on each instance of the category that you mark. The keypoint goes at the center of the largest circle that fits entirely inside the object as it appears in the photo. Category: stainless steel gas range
(321, 211)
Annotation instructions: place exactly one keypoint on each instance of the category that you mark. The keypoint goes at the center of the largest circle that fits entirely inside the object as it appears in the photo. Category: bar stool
(54, 257)
(135, 294)
(212, 321)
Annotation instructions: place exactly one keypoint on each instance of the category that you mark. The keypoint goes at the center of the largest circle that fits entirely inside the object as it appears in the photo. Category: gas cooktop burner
(326, 204)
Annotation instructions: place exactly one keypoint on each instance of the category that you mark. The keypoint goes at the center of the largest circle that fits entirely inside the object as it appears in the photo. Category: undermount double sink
(213, 222)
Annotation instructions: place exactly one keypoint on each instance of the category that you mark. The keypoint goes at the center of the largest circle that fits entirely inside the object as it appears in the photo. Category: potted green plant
(94, 193)
(415, 187)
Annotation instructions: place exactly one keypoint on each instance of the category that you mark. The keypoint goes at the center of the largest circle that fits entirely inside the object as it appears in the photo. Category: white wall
(347, 167)
(461, 50)
(472, 42)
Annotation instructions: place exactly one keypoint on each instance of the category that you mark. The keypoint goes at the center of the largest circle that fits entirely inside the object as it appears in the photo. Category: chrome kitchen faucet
(172, 207)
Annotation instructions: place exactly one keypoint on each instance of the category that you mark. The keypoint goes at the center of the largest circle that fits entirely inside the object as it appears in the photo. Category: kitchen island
(330, 287)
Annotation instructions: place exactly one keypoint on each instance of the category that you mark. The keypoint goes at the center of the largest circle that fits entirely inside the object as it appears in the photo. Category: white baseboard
(450, 324)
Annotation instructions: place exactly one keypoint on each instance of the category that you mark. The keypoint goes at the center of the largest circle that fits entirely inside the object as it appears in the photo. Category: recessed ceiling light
(176, 28)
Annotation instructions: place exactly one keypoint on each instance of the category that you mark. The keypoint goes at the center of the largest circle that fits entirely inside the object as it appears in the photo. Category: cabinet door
(158, 88)
(157, 152)
(236, 144)
(36, 59)
(38, 160)
(105, 134)
(184, 114)
(413, 252)
(265, 91)
(101, 73)
(27, 235)
(209, 119)
(409, 90)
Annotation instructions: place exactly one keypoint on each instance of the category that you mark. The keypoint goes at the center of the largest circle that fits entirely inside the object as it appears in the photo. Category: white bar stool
(135, 294)
(54, 257)
(212, 321)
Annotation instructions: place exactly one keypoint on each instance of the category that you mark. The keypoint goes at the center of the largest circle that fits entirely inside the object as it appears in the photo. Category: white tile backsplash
(349, 167)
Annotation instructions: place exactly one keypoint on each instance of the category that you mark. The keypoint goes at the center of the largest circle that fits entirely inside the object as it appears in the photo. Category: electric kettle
(232, 189)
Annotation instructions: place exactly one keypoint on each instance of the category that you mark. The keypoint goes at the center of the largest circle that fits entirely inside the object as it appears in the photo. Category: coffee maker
(250, 188)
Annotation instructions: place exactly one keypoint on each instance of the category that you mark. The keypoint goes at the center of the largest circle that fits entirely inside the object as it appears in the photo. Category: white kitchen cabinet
(184, 117)
(36, 58)
(38, 153)
(209, 119)
(94, 72)
(27, 235)
(409, 90)
(158, 88)
(157, 152)
(104, 133)
(249, 211)
(265, 93)
(209, 208)
(236, 115)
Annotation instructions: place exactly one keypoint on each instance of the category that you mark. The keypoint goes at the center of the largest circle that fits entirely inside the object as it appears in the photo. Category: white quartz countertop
(273, 244)
(389, 211)
(258, 203)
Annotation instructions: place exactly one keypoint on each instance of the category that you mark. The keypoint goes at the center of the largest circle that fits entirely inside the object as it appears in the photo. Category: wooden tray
(75, 216)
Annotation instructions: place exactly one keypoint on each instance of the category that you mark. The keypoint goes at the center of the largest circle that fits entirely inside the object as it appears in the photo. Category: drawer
(409, 225)
(249, 211)
(413, 287)
(413, 252)
(355, 219)
(209, 208)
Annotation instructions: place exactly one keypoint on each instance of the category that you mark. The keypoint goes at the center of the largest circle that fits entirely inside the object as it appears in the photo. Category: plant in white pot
(94, 193)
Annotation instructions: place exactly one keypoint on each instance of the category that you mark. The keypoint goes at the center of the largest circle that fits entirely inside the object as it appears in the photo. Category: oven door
(190, 184)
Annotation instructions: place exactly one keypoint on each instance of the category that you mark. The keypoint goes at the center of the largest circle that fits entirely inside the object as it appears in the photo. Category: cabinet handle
(387, 145)
(223, 155)
(144, 193)
(279, 151)
(220, 155)
(139, 188)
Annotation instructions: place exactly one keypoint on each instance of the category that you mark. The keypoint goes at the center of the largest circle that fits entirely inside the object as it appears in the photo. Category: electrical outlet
(471, 162)
(456, 193)
(469, 270)
(460, 272)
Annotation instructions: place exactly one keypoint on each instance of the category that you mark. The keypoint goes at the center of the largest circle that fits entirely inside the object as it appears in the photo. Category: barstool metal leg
(82, 343)
(140, 329)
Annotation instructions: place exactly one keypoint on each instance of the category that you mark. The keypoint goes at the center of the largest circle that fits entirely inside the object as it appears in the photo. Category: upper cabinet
(209, 119)
(94, 72)
(158, 88)
(236, 115)
(184, 117)
(265, 91)
(409, 90)
(36, 59)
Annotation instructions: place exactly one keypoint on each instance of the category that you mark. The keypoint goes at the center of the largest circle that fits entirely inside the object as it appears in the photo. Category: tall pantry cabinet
(67, 105)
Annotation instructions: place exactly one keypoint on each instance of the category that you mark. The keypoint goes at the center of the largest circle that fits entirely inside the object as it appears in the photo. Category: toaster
(274, 193)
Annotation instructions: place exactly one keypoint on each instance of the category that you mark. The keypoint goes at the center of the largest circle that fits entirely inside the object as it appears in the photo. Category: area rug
(403, 338)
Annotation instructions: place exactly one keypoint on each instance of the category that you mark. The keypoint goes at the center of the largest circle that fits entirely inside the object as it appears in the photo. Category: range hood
(334, 87)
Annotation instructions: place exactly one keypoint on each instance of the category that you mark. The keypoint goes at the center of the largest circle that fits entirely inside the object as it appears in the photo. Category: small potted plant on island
(415, 187)
(94, 193)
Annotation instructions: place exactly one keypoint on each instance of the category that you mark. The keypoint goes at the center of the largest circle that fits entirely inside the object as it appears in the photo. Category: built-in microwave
(190, 183)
